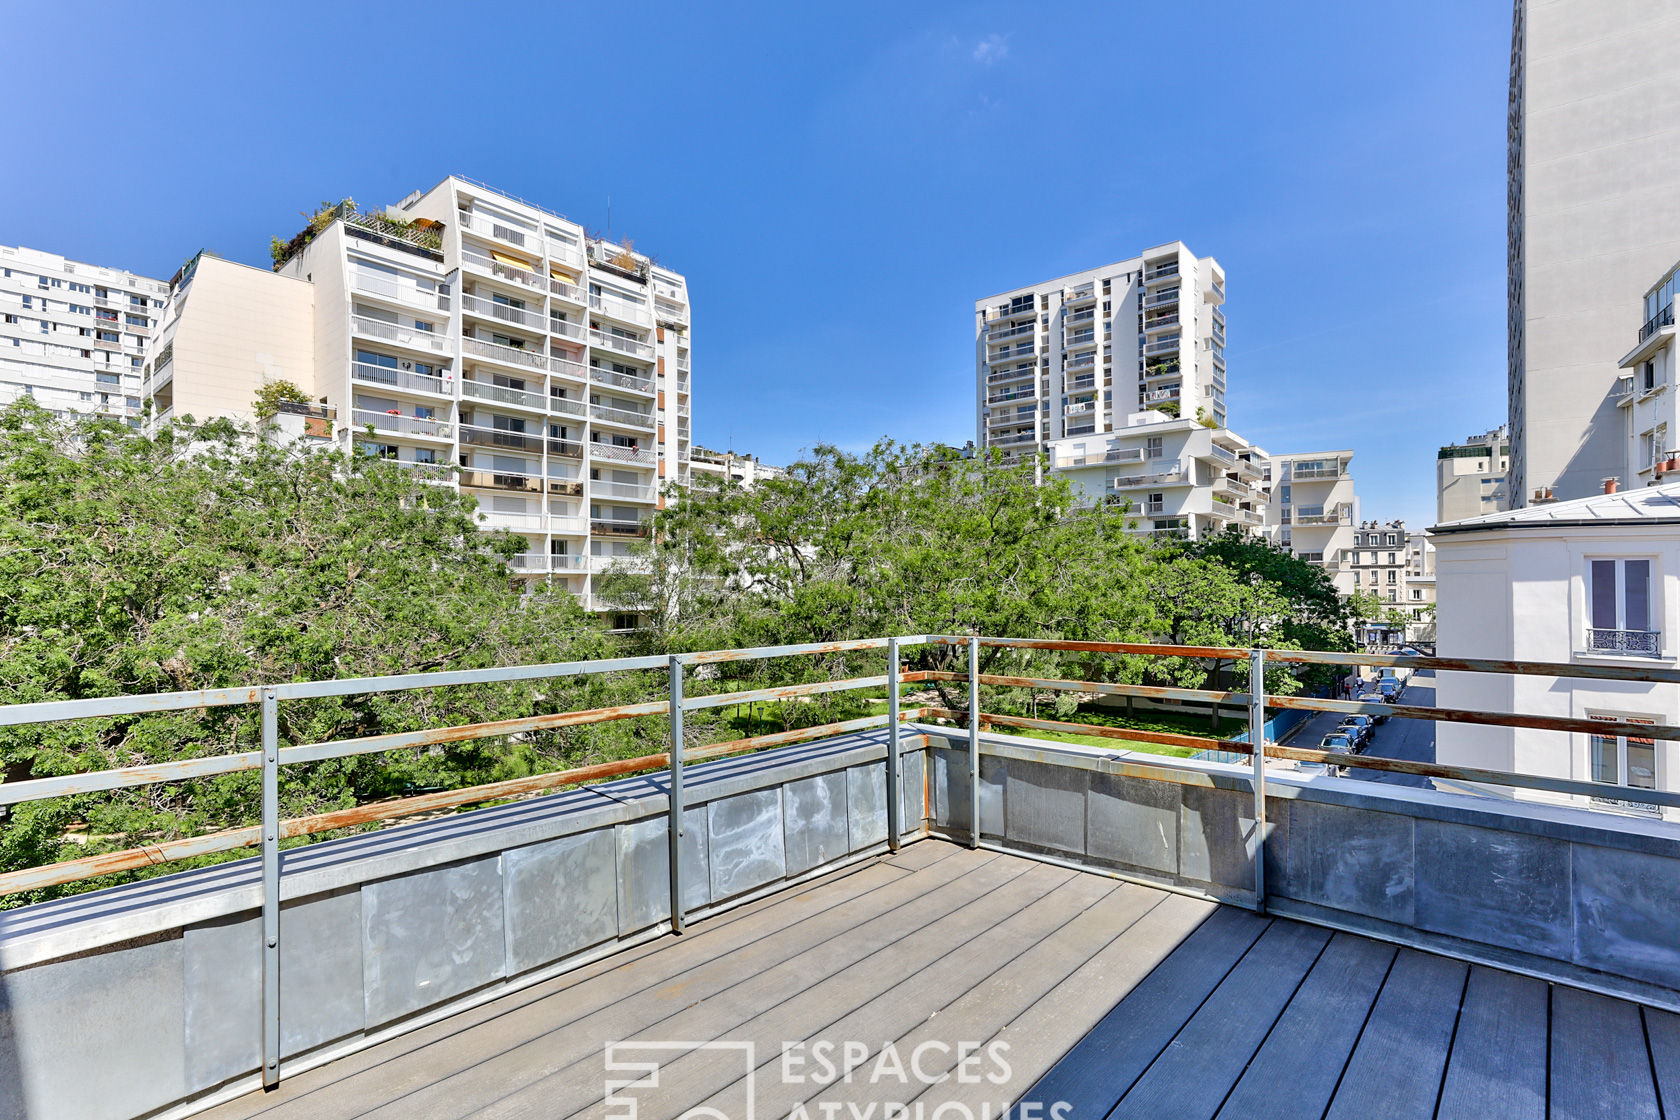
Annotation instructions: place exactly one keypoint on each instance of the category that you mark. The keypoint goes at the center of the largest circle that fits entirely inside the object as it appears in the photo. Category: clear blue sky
(841, 182)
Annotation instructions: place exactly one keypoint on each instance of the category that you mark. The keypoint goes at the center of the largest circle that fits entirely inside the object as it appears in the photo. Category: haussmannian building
(73, 336)
(1594, 153)
(1077, 355)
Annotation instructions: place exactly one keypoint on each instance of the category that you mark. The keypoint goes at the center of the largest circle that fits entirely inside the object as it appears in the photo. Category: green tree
(268, 399)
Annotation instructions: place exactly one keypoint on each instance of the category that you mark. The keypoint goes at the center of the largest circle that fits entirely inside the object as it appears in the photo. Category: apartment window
(1390, 540)
(1417, 593)
(1392, 574)
(1391, 555)
(1648, 375)
(1624, 760)
(1152, 448)
(1391, 595)
(1373, 575)
(1619, 606)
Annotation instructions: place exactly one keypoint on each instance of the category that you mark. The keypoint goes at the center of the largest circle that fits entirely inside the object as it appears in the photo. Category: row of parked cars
(1353, 734)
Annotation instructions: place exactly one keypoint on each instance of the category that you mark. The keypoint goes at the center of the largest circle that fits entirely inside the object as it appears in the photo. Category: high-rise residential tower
(1594, 155)
(73, 336)
(1076, 355)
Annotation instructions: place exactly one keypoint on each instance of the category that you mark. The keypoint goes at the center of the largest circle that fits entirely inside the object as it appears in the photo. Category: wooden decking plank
(931, 996)
(1662, 1034)
(828, 994)
(810, 919)
(1092, 1076)
(793, 905)
(503, 1061)
(1395, 1071)
(1497, 1069)
(1296, 1069)
(1600, 1064)
(1191, 1077)
(985, 1009)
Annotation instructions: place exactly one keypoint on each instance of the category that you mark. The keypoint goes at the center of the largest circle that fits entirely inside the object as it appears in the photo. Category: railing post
(675, 829)
(270, 890)
(895, 803)
(1257, 741)
(974, 741)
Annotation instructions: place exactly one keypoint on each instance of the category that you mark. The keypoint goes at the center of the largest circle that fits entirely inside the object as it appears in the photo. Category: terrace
(1125, 933)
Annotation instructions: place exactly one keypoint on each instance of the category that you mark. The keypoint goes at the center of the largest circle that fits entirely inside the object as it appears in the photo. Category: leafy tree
(268, 399)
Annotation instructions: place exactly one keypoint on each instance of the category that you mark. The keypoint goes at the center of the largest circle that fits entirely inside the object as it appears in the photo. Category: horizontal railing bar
(1467, 715)
(756, 653)
(50, 711)
(311, 690)
(1166, 738)
(782, 738)
(786, 692)
(1474, 774)
(341, 748)
(109, 863)
(96, 781)
(1149, 691)
(1221, 653)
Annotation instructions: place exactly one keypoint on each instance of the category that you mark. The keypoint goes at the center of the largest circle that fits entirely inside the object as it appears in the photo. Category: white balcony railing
(520, 398)
(565, 328)
(670, 310)
(998, 334)
(566, 367)
(622, 416)
(1166, 472)
(622, 309)
(528, 240)
(511, 355)
(522, 522)
(616, 454)
(566, 406)
(403, 336)
(571, 293)
(1113, 455)
(622, 345)
(623, 491)
(1003, 375)
(369, 374)
(501, 270)
(1162, 346)
(621, 380)
(404, 425)
(502, 312)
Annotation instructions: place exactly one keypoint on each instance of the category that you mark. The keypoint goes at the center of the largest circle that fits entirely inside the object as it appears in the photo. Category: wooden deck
(1118, 999)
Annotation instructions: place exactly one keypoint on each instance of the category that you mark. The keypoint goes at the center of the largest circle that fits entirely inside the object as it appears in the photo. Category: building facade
(1470, 477)
(1178, 477)
(1645, 391)
(1595, 581)
(1312, 510)
(1594, 148)
(73, 336)
(1075, 356)
(734, 466)
(489, 343)
(1419, 597)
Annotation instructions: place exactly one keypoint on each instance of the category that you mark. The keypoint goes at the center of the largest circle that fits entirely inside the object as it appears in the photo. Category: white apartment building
(1595, 581)
(489, 342)
(1077, 355)
(73, 336)
(1419, 596)
(1594, 153)
(1645, 393)
(735, 466)
(1470, 477)
(1178, 477)
(1313, 510)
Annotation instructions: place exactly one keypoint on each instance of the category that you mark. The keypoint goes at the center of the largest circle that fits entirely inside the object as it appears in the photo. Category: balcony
(1319, 474)
(565, 448)
(571, 293)
(613, 453)
(424, 427)
(366, 373)
(1012, 441)
(567, 406)
(501, 312)
(1081, 408)
(1160, 323)
(1663, 318)
(624, 311)
(1007, 419)
(1000, 376)
(620, 344)
(1161, 346)
(513, 522)
(566, 367)
(623, 417)
(1079, 362)
(1638, 643)
(1311, 516)
(528, 241)
(1080, 294)
(530, 563)
(1156, 396)
(523, 483)
(519, 398)
(430, 341)
(621, 380)
(501, 270)
(670, 310)
(1170, 472)
(998, 334)
(1021, 351)
(501, 438)
(566, 329)
(1158, 274)
(622, 491)
(1161, 298)
(1079, 339)
(609, 527)
(1005, 398)
(1113, 455)
(507, 355)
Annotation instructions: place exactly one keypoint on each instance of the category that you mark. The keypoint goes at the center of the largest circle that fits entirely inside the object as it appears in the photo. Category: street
(1410, 739)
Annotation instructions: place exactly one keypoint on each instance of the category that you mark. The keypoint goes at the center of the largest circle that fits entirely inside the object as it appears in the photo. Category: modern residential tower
(1470, 477)
(1076, 355)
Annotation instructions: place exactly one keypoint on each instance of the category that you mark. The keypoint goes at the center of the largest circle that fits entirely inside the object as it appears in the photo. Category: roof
(1648, 505)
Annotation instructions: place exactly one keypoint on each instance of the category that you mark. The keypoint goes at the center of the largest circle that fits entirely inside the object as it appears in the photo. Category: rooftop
(1647, 505)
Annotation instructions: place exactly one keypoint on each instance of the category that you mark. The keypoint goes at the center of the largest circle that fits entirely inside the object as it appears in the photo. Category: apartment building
(1179, 477)
(1378, 559)
(1470, 477)
(1313, 510)
(1418, 601)
(1594, 151)
(1077, 355)
(491, 344)
(73, 336)
(1644, 392)
(735, 466)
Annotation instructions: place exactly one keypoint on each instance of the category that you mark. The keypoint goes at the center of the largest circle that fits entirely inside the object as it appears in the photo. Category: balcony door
(1619, 606)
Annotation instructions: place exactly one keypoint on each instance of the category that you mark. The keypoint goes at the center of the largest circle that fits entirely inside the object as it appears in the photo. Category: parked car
(1336, 743)
(1375, 698)
(1359, 729)
(1390, 689)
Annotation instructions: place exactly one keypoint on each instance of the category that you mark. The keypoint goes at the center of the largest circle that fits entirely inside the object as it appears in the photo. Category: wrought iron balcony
(1644, 643)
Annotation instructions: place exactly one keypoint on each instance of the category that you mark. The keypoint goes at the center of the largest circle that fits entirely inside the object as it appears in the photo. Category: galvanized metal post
(270, 889)
(974, 741)
(676, 823)
(1257, 740)
(895, 803)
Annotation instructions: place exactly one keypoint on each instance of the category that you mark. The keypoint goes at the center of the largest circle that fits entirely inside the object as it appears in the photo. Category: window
(1283, 494)
(1391, 555)
(1417, 593)
(1391, 595)
(1373, 575)
(1389, 541)
(1391, 575)
(1619, 607)
(1623, 760)
(1152, 448)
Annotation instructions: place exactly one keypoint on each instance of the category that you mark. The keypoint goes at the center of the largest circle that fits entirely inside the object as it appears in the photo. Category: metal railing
(609, 341)
(571, 293)
(1645, 643)
(504, 312)
(622, 309)
(623, 417)
(621, 380)
(502, 271)
(511, 355)
(613, 452)
(1115, 455)
(1663, 318)
(529, 442)
(405, 425)
(403, 336)
(369, 373)
(521, 398)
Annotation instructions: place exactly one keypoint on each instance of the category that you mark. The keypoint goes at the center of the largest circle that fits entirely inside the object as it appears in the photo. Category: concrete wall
(241, 328)
(1558, 892)
(121, 1002)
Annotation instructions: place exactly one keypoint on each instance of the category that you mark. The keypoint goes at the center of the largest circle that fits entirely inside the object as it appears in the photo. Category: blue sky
(841, 182)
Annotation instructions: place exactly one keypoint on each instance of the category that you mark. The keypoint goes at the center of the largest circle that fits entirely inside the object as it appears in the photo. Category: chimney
(1610, 485)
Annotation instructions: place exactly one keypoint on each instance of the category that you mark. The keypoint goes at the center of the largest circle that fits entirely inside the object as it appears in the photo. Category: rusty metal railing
(268, 835)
